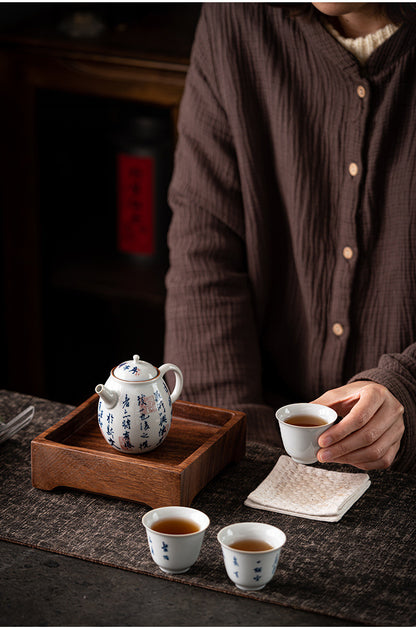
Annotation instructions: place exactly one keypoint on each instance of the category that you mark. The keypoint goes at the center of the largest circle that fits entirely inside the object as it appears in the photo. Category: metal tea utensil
(10, 428)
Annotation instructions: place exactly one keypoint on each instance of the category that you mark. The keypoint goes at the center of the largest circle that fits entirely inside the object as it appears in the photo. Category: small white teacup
(253, 567)
(300, 438)
(175, 535)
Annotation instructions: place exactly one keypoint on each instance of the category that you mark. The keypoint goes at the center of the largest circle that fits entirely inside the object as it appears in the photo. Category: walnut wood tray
(201, 442)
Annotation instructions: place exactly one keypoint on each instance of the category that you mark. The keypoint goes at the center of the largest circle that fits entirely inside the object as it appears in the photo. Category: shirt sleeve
(397, 372)
(211, 331)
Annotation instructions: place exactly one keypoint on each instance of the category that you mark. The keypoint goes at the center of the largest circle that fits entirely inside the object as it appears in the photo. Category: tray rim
(235, 417)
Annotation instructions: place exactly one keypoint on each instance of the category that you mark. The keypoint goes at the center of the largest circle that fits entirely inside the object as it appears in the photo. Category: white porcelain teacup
(253, 567)
(175, 535)
(301, 441)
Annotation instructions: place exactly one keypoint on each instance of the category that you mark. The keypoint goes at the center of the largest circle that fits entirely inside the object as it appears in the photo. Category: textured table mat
(361, 569)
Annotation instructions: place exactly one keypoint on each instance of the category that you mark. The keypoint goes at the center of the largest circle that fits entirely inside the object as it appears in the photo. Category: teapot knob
(136, 358)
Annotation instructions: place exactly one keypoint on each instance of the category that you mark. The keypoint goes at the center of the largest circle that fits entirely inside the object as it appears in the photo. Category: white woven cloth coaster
(310, 492)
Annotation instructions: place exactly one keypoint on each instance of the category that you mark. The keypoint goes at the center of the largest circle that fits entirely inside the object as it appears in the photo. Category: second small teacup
(175, 535)
(251, 552)
(301, 424)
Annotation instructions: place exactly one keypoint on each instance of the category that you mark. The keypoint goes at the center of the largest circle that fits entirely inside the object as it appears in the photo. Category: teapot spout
(109, 397)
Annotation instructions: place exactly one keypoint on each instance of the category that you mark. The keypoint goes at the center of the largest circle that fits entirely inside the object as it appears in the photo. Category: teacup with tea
(175, 535)
(251, 553)
(301, 424)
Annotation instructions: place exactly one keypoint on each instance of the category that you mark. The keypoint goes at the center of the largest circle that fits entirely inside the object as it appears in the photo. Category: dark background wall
(97, 302)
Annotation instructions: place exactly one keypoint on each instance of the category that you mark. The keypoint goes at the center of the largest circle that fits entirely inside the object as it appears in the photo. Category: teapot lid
(135, 370)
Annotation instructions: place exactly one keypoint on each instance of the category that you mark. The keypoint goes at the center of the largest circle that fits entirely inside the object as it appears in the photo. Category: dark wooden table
(43, 589)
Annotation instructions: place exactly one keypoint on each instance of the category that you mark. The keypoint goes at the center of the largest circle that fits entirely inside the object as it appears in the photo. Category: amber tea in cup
(251, 553)
(251, 545)
(175, 525)
(175, 535)
(301, 424)
(306, 420)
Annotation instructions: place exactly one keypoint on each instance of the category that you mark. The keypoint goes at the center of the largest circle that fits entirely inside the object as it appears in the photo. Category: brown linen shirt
(293, 236)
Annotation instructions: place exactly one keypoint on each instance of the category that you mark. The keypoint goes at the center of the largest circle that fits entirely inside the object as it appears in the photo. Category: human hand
(368, 437)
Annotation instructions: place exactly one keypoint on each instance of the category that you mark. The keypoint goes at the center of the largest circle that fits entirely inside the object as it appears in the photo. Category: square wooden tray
(201, 442)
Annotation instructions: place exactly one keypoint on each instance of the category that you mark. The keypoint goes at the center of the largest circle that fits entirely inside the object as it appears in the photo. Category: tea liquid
(306, 420)
(251, 545)
(175, 525)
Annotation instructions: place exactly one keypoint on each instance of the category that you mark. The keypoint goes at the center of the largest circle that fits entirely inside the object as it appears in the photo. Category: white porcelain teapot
(135, 406)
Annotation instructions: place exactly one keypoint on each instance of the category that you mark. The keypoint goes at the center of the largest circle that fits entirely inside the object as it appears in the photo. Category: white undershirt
(362, 47)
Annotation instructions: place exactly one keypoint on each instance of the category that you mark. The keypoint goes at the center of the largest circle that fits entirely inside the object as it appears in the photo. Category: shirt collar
(401, 42)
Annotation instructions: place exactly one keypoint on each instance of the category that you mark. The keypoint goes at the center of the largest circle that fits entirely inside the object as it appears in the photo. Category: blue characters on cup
(257, 569)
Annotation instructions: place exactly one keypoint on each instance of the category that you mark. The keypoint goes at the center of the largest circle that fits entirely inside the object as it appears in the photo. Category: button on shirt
(353, 169)
(361, 91)
(347, 252)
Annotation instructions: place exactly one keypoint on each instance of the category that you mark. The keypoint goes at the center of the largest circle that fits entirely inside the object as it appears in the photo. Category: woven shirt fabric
(293, 235)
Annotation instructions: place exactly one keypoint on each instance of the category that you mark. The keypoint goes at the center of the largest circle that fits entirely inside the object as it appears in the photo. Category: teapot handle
(178, 379)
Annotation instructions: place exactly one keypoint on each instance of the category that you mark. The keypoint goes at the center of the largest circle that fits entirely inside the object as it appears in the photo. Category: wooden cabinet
(74, 306)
